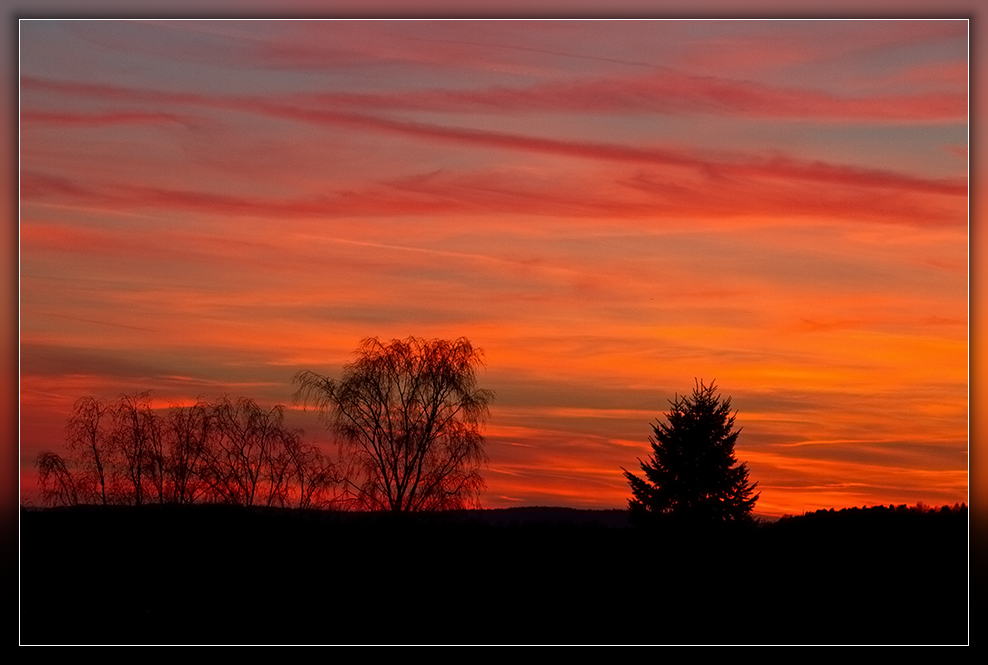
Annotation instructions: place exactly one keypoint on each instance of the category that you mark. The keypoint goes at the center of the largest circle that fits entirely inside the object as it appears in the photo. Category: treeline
(229, 451)
(874, 513)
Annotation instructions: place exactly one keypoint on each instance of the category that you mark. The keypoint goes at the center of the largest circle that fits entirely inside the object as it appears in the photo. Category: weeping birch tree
(407, 415)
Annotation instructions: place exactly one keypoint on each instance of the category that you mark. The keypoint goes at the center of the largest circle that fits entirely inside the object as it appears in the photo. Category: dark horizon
(847, 577)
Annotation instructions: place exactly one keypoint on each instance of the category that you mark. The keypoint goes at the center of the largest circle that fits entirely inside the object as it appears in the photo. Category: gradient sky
(610, 209)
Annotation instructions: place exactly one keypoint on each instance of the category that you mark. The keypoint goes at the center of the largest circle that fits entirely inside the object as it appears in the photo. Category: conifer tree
(692, 475)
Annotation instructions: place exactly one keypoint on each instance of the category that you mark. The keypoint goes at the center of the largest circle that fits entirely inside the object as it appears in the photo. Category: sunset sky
(611, 210)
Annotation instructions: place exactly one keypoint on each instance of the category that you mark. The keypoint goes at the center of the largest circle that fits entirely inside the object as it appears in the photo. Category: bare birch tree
(408, 416)
(246, 462)
(137, 437)
(88, 435)
(188, 430)
(228, 451)
(58, 487)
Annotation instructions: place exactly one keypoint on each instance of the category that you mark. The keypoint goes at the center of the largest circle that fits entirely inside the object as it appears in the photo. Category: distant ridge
(535, 515)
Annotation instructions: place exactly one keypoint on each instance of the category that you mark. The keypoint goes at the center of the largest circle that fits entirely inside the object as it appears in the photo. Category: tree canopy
(693, 475)
(408, 416)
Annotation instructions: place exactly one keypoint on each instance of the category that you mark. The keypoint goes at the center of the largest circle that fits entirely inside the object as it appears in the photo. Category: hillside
(213, 574)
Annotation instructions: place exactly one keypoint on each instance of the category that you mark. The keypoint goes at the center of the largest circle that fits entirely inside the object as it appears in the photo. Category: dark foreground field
(217, 575)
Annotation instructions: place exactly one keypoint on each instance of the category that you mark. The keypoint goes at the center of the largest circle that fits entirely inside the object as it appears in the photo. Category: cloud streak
(52, 119)
(731, 165)
(667, 92)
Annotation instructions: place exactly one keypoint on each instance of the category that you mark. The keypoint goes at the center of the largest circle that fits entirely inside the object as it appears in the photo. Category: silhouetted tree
(229, 451)
(310, 475)
(693, 475)
(58, 487)
(245, 463)
(408, 416)
(188, 430)
(89, 441)
(137, 437)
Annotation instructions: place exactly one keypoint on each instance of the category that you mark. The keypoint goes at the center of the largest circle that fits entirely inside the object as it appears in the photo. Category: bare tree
(137, 437)
(311, 475)
(408, 416)
(228, 451)
(246, 461)
(188, 430)
(89, 440)
(58, 487)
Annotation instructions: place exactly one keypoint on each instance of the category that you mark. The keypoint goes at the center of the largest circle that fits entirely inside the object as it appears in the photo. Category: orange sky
(609, 209)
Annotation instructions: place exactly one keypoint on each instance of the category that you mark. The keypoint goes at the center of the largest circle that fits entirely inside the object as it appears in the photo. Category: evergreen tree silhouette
(693, 475)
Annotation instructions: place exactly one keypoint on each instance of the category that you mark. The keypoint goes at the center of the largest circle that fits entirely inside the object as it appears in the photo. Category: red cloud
(643, 196)
(730, 166)
(666, 91)
(99, 119)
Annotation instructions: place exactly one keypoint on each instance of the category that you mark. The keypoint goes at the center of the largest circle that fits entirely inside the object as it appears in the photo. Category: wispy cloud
(738, 164)
(98, 119)
(664, 91)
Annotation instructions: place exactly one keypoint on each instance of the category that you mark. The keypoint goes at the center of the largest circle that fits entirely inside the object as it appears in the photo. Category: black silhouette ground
(219, 575)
